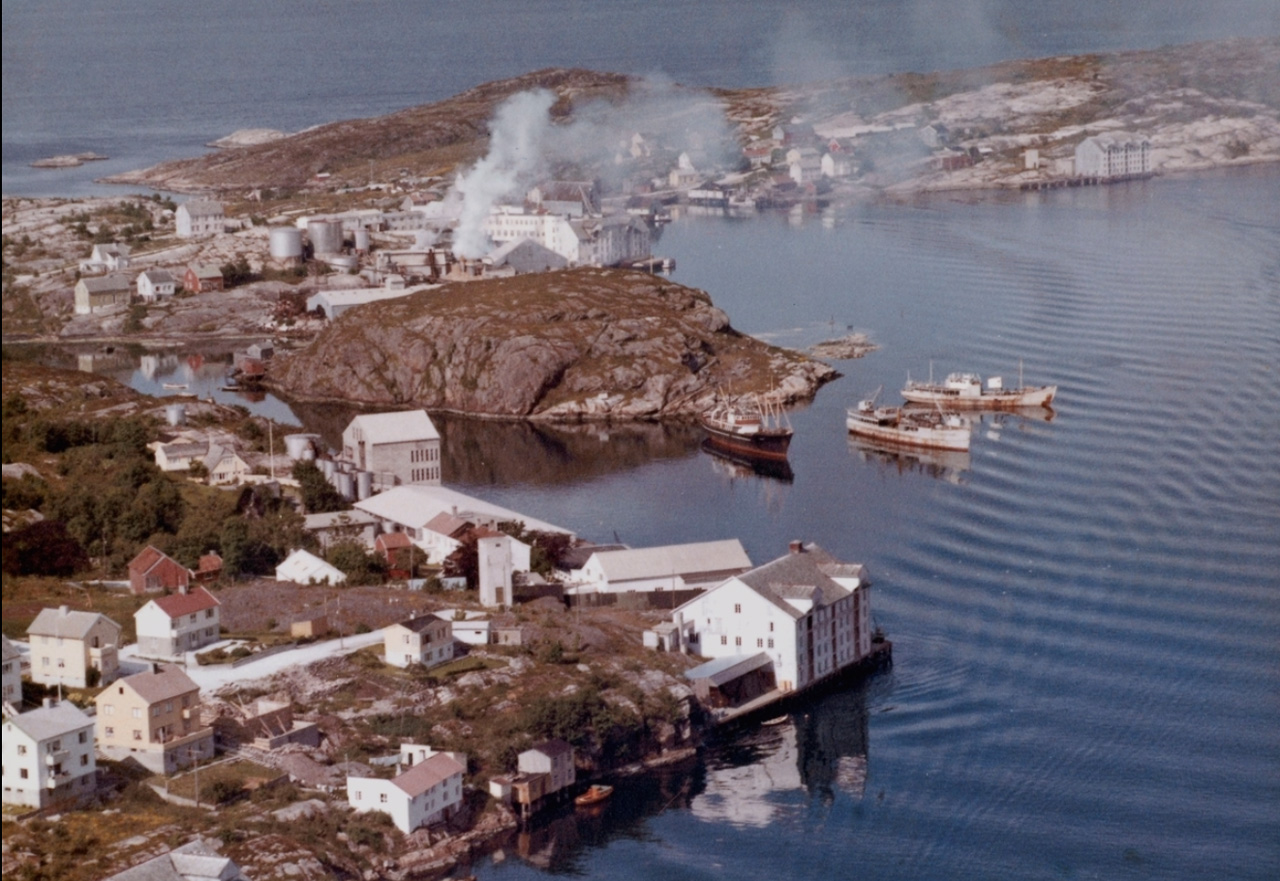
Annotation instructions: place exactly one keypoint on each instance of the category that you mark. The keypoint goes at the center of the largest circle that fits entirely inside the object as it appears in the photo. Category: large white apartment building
(1113, 155)
(809, 612)
(397, 448)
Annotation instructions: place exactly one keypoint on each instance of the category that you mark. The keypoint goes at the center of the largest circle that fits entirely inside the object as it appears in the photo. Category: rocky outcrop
(585, 344)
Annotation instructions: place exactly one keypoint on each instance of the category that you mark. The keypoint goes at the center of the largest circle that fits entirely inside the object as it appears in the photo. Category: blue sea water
(1085, 609)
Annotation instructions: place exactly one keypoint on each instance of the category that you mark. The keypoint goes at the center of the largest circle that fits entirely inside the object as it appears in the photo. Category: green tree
(318, 495)
(43, 548)
(359, 565)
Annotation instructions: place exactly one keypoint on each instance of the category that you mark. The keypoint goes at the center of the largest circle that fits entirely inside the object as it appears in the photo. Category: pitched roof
(196, 861)
(415, 505)
(722, 670)
(184, 449)
(158, 276)
(669, 560)
(106, 284)
(175, 605)
(420, 623)
(303, 567)
(10, 652)
(205, 270)
(65, 623)
(165, 683)
(447, 524)
(553, 747)
(799, 575)
(395, 428)
(339, 519)
(147, 559)
(393, 540)
(55, 721)
(202, 208)
(428, 773)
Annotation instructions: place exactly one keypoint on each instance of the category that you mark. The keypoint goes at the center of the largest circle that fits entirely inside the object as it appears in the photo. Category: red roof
(211, 562)
(146, 558)
(391, 541)
(175, 605)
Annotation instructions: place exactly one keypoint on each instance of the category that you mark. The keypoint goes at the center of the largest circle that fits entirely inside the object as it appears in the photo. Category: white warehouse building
(1112, 156)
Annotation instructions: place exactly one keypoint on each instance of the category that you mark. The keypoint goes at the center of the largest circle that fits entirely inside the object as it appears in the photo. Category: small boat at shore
(175, 386)
(755, 432)
(595, 794)
(931, 429)
(965, 391)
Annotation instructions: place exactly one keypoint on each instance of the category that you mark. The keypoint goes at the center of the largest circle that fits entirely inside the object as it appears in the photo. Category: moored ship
(965, 391)
(930, 429)
(757, 432)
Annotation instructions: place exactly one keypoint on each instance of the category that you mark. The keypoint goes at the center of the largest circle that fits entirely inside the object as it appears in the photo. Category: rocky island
(582, 344)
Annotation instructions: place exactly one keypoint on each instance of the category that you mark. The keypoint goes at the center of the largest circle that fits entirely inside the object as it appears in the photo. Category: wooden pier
(1091, 181)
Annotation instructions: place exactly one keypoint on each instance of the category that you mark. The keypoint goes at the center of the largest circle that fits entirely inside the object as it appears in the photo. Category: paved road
(215, 676)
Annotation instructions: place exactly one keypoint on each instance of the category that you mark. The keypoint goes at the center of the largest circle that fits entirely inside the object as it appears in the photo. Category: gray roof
(633, 564)
(106, 284)
(50, 722)
(421, 623)
(554, 747)
(722, 670)
(395, 427)
(202, 208)
(195, 861)
(158, 276)
(333, 519)
(808, 574)
(205, 270)
(9, 651)
(65, 623)
(185, 450)
(167, 682)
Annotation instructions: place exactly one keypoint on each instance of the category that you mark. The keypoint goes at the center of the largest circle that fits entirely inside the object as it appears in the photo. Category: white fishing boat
(930, 429)
(966, 391)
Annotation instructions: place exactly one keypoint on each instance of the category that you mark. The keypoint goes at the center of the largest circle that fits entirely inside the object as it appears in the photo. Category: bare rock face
(582, 344)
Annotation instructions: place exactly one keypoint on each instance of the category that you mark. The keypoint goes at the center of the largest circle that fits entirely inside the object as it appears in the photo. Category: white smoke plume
(515, 152)
(525, 145)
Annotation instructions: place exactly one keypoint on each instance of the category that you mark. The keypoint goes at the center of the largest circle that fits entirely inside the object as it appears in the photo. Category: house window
(382, 797)
(760, 643)
(359, 795)
(84, 761)
(23, 773)
(62, 663)
(137, 734)
(137, 712)
(22, 749)
(737, 608)
(771, 627)
(109, 731)
(83, 737)
(44, 662)
(724, 640)
(771, 642)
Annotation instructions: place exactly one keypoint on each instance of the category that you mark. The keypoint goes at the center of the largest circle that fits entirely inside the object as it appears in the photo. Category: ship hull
(1012, 399)
(767, 445)
(911, 435)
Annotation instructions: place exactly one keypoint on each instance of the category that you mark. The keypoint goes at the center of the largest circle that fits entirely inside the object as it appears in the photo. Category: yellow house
(153, 718)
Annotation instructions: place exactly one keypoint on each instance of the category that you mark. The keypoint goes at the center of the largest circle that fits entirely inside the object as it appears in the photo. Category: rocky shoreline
(571, 346)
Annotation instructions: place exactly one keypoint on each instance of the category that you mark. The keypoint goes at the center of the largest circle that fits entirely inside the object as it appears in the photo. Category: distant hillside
(580, 344)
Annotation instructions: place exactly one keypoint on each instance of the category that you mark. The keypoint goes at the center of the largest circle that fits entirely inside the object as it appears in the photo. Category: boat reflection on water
(947, 465)
(745, 466)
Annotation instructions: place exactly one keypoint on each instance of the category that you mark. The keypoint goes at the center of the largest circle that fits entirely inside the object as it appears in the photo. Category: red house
(396, 548)
(154, 571)
(210, 567)
(203, 277)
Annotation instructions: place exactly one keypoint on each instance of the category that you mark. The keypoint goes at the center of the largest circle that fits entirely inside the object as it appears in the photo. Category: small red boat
(594, 795)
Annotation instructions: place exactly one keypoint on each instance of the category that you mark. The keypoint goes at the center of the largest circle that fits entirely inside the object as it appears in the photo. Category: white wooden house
(199, 217)
(425, 640)
(180, 622)
(428, 793)
(156, 283)
(49, 756)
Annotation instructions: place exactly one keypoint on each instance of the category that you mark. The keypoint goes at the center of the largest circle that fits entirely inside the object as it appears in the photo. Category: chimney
(63, 610)
(182, 588)
(796, 547)
(48, 702)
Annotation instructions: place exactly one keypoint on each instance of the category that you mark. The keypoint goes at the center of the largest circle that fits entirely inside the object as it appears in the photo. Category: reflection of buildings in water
(151, 366)
(832, 741)
(550, 844)
(946, 465)
(739, 794)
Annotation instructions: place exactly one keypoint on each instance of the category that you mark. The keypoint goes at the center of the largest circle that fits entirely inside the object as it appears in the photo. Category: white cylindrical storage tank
(362, 241)
(342, 261)
(325, 235)
(176, 414)
(298, 445)
(286, 243)
(346, 486)
(364, 484)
